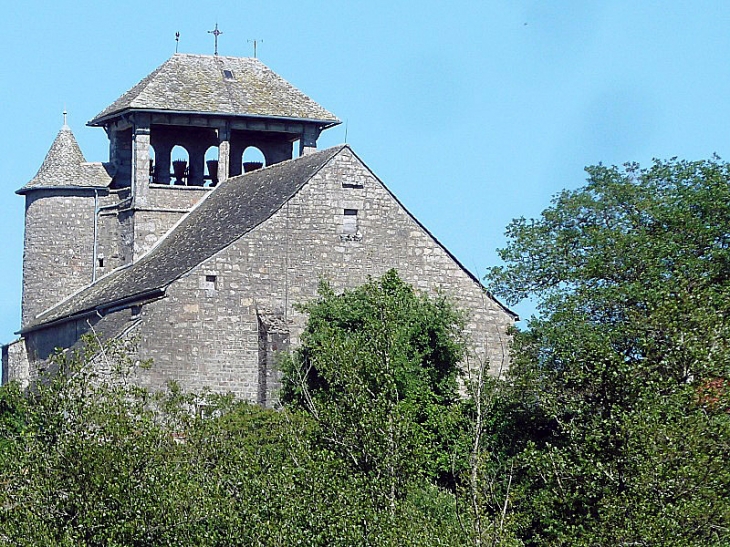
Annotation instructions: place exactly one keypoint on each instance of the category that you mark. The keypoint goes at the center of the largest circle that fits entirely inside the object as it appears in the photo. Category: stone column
(224, 153)
(308, 141)
(120, 153)
(140, 164)
(235, 160)
(196, 165)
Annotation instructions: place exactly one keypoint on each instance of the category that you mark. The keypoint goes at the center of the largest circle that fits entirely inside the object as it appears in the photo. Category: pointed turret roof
(210, 84)
(66, 167)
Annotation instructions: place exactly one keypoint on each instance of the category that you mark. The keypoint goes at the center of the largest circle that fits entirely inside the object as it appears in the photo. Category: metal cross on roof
(215, 33)
(255, 43)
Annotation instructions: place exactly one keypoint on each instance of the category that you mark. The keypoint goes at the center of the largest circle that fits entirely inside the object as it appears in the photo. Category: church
(200, 257)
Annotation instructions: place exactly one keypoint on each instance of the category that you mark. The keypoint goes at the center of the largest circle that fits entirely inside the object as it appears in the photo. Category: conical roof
(66, 167)
(210, 84)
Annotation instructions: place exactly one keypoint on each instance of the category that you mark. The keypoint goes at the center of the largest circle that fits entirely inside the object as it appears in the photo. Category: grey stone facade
(58, 253)
(206, 279)
(211, 337)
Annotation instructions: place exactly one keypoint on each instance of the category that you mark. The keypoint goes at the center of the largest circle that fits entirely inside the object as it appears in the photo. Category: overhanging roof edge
(119, 302)
(100, 121)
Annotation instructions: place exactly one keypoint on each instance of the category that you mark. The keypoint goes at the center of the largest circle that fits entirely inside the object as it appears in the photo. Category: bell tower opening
(211, 165)
(180, 161)
(253, 159)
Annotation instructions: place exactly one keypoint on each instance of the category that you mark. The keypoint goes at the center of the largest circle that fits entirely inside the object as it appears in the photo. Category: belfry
(201, 102)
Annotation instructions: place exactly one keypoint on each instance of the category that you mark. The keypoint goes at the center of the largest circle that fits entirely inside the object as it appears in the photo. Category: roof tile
(232, 209)
(65, 166)
(197, 83)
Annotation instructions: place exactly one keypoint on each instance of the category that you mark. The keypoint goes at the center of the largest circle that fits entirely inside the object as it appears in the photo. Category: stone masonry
(211, 334)
(205, 279)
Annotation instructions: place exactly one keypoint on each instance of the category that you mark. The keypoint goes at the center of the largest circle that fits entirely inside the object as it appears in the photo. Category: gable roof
(199, 84)
(65, 167)
(232, 209)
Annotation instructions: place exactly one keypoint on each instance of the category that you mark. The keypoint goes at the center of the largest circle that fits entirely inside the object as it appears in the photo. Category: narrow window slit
(349, 221)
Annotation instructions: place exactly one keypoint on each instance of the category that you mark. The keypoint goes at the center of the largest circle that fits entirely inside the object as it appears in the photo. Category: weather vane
(215, 33)
(255, 43)
(177, 40)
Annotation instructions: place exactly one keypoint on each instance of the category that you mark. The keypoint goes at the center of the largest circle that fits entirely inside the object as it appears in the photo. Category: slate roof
(197, 83)
(232, 209)
(65, 167)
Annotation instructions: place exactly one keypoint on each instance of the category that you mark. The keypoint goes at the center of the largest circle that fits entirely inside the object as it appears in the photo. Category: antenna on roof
(215, 32)
(255, 42)
(347, 122)
(177, 40)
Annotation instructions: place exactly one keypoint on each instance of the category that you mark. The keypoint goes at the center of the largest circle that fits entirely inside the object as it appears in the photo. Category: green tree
(377, 369)
(628, 360)
(88, 459)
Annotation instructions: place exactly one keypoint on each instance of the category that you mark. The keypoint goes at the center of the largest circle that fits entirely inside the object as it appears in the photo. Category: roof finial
(215, 33)
(255, 42)
(64, 117)
(177, 40)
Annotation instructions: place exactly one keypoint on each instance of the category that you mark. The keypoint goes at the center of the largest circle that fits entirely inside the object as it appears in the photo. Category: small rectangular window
(227, 74)
(209, 283)
(349, 221)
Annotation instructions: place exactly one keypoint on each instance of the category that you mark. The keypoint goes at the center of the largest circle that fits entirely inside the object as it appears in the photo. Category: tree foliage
(377, 369)
(87, 458)
(629, 359)
(612, 429)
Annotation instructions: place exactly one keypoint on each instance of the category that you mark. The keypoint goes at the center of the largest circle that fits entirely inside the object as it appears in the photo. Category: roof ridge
(208, 55)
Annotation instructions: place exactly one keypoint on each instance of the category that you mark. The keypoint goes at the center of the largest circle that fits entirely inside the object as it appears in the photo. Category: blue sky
(473, 113)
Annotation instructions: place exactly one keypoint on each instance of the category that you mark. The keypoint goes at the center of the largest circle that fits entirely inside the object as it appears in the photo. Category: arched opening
(253, 159)
(211, 165)
(180, 162)
(153, 165)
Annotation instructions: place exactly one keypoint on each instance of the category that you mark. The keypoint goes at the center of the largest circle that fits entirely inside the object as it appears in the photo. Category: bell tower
(199, 102)
(210, 109)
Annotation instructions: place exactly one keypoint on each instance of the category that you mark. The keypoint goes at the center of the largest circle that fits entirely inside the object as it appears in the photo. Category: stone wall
(58, 252)
(207, 332)
(125, 234)
(166, 205)
(175, 197)
(15, 364)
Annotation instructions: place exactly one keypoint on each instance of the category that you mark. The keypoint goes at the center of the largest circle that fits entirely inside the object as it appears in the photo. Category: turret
(58, 257)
